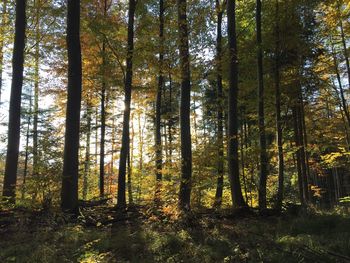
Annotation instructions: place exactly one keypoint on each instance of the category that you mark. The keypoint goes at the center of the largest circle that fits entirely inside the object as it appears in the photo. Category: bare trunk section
(69, 191)
(26, 156)
(185, 123)
(158, 135)
(220, 102)
(87, 151)
(261, 112)
(121, 200)
(10, 179)
(232, 133)
(277, 83)
(36, 88)
(103, 111)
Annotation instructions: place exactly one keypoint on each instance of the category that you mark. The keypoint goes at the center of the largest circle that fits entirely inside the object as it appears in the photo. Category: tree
(232, 133)
(10, 178)
(220, 101)
(69, 191)
(36, 86)
(124, 151)
(261, 121)
(158, 134)
(278, 111)
(103, 110)
(185, 128)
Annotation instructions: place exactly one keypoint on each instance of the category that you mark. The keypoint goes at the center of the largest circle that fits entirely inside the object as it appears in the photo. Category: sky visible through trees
(195, 103)
(157, 130)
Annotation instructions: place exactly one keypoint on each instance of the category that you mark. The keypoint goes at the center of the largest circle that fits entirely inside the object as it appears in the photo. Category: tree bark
(103, 125)
(220, 102)
(26, 156)
(130, 162)
(341, 90)
(36, 88)
(121, 200)
(158, 135)
(277, 83)
(343, 40)
(11, 165)
(298, 161)
(69, 191)
(103, 111)
(261, 112)
(232, 133)
(185, 124)
(87, 151)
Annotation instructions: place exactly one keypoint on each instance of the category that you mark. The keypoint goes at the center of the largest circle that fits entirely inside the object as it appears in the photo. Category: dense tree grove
(183, 104)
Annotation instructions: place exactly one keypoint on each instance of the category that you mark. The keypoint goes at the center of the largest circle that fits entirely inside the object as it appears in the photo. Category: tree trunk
(232, 134)
(26, 156)
(69, 191)
(343, 40)
(220, 102)
(121, 200)
(261, 119)
(170, 122)
(280, 190)
(158, 135)
(103, 125)
(130, 162)
(11, 165)
(103, 111)
(140, 150)
(36, 89)
(185, 123)
(304, 164)
(87, 151)
(242, 137)
(341, 90)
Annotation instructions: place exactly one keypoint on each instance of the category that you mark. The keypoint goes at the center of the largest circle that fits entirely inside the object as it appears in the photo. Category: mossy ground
(140, 237)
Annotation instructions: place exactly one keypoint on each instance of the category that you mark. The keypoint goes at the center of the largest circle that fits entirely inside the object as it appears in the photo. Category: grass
(315, 237)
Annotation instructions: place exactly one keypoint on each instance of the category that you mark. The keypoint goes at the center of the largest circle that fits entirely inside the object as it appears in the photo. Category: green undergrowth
(312, 237)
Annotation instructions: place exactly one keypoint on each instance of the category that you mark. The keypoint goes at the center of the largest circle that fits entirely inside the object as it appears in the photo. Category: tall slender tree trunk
(304, 165)
(130, 197)
(103, 126)
(170, 121)
(130, 162)
(232, 133)
(36, 87)
(121, 200)
(96, 155)
(343, 40)
(278, 112)
(220, 112)
(242, 137)
(26, 156)
(69, 191)
(103, 111)
(261, 112)
(2, 40)
(140, 150)
(185, 122)
(341, 90)
(298, 158)
(11, 165)
(87, 151)
(158, 135)
(112, 153)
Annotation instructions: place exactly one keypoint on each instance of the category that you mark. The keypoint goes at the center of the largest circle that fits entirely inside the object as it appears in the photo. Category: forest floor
(101, 235)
